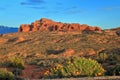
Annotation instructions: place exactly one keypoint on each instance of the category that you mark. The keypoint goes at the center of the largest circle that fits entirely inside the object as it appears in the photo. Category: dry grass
(40, 42)
(51, 45)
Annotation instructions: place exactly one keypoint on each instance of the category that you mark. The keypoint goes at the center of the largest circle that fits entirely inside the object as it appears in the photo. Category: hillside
(5, 29)
(43, 50)
(44, 42)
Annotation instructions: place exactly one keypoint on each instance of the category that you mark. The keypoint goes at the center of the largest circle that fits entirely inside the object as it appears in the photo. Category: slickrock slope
(49, 25)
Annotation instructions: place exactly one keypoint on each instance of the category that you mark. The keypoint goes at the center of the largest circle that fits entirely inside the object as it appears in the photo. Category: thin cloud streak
(2, 8)
(74, 12)
(32, 2)
(38, 7)
(110, 8)
(58, 3)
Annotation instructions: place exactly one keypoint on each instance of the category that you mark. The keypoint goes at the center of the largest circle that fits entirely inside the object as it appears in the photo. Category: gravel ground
(85, 78)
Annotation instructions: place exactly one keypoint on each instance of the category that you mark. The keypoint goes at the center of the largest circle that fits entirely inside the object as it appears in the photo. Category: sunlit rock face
(49, 25)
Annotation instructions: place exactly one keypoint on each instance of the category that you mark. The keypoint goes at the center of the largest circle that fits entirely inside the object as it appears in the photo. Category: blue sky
(103, 13)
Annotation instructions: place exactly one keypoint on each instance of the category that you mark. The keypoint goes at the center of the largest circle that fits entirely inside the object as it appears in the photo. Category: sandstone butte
(45, 24)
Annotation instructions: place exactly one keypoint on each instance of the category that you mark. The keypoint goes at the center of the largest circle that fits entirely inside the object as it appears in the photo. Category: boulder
(118, 33)
(69, 52)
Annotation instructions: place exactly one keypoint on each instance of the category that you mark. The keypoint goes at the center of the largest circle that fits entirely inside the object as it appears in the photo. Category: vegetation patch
(14, 62)
(76, 67)
(6, 75)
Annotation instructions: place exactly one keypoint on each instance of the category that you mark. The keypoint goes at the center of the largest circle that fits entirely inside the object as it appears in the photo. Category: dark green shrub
(6, 75)
(116, 70)
(76, 67)
(112, 62)
(113, 71)
(115, 57)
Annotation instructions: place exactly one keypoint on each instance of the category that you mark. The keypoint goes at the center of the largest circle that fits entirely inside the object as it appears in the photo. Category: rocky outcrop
(113, 32)
(49, 25)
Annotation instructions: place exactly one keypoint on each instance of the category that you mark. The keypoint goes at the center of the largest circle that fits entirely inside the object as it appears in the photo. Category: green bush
(6, 75)
(15, 62)
(76, 67)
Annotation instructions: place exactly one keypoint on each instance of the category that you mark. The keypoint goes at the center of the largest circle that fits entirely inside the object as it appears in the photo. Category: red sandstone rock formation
(49, 25)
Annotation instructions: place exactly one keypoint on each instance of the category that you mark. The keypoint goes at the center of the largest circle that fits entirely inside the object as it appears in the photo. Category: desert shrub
(116, 70)
(17, 71)
(113, 71)
(44, 63)
(15, 62)
(6, 75)
(1, 64)
(51, 62)
(76, 67)
(115, 57)
(102, 57)
(112, 62)
(32, 62)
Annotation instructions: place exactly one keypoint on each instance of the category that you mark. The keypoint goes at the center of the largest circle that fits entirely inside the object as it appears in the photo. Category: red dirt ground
(32, 72)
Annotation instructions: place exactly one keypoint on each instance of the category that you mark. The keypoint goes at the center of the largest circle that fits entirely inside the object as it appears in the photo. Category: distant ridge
(45, 24)
(6, 29)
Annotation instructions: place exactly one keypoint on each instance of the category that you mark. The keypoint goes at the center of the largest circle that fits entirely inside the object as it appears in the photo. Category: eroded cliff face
(49, 25)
